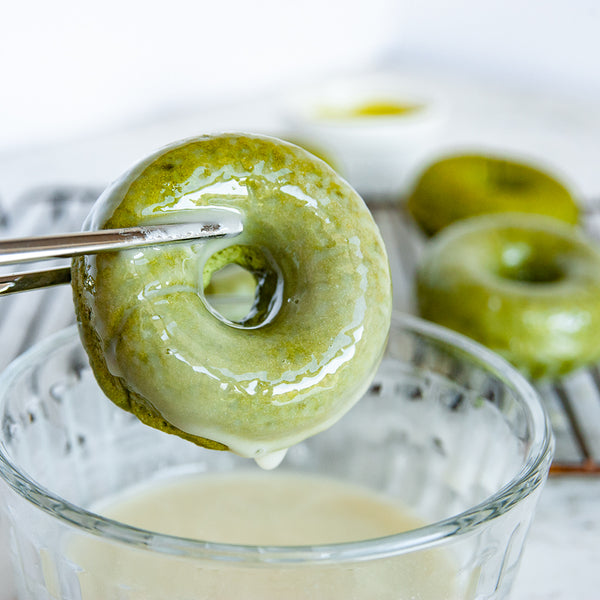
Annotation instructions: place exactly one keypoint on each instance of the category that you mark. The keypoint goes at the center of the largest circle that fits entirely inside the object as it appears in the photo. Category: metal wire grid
(573, 403)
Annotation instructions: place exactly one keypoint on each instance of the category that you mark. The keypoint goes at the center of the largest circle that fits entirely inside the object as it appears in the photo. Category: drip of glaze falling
(270, 460)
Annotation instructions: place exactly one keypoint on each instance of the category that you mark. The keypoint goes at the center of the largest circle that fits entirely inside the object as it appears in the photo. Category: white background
(70, 68)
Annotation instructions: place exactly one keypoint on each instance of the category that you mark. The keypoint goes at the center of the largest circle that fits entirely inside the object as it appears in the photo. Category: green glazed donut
(526, 286)
(459, 187)
(309, 346)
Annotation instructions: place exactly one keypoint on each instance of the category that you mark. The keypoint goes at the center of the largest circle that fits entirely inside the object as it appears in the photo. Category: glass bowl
(448, 430)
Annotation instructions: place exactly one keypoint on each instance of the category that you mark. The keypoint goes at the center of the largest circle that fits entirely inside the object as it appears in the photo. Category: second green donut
(526, 286)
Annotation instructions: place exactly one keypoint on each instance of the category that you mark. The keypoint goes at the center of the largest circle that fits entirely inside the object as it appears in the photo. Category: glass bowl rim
(531, 475)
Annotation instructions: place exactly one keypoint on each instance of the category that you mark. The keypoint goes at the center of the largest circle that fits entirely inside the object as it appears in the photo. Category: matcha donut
(526, 286)
(464, 186)
(307, 349)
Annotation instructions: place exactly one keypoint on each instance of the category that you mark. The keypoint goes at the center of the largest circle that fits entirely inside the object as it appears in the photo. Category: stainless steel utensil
(227, 223)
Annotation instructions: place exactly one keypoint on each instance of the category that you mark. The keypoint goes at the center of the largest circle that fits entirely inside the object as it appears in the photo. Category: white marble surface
(562, 556)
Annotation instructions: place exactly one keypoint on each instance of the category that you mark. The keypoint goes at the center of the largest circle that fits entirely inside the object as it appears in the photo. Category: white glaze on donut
(294, 368)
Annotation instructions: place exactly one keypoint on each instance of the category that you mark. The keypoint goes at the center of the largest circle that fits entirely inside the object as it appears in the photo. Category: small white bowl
(376, 132)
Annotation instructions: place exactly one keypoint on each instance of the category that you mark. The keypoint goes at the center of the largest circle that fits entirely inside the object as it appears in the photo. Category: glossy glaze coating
(526, 286)
(459, 187)
(307, 351)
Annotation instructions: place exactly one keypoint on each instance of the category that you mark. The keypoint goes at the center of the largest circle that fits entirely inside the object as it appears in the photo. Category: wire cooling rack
(573, 402)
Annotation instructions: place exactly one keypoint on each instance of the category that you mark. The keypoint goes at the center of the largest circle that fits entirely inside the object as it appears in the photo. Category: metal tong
(224, 223)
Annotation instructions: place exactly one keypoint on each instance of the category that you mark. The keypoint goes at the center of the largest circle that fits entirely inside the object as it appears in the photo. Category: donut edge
(112, 386)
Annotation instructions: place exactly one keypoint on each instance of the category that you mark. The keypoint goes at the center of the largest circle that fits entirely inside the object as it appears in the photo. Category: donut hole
(520, 262)
(507, 176)
(231, 292)
(242, 286)
(534, 272)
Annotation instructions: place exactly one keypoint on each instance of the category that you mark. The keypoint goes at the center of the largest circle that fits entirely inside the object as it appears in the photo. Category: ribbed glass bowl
(447, 429)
